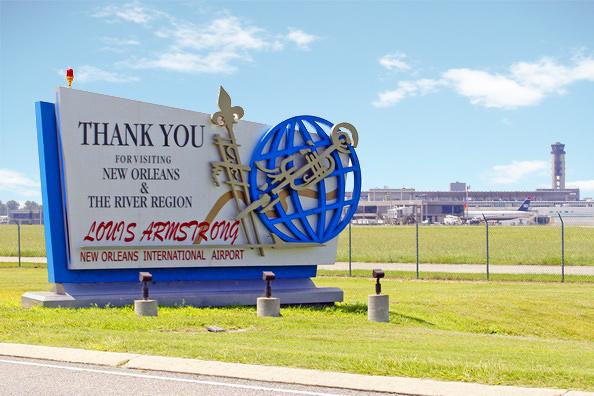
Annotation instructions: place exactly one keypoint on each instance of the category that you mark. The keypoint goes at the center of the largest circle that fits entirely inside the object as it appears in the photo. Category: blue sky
(439, 92)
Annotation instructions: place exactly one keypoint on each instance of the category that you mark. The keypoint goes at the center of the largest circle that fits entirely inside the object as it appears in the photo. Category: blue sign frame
(54, 216)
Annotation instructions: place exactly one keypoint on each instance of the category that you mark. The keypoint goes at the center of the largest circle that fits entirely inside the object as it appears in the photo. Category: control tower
(558, 166)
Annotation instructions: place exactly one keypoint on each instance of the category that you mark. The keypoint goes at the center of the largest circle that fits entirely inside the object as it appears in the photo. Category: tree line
(13, 205)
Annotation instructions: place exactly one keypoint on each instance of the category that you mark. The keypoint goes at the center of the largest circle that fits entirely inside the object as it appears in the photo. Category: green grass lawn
(438, 244)
(466, 244)
(32, 240)
(533, 334)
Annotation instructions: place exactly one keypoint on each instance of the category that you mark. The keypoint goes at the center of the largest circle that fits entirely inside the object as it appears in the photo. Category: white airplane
(500, 215)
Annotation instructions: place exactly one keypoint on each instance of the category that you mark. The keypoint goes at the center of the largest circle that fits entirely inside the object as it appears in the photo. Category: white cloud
(207, 49)
(545, 75)
(516, 171)
(406, 89)
(584, 69)
(87, 73)
(491, 90)
(222, 34)
(118, 45)
(299, 37)
(583, 185)
(523, 84)
(215, 47)
(394, 62)
(180, 61)
(389, 98)
(120, 42)
(16, 182)
(129, 12)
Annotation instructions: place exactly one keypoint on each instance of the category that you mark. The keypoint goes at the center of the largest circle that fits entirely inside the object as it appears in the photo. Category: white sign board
(139, 189)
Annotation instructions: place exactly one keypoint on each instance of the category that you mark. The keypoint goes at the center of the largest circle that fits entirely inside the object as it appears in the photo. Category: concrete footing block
(268, 306)
(146, 307)
(218, 293)
(378, 308)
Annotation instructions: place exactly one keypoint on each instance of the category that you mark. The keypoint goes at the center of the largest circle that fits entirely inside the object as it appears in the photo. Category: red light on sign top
(69, 77)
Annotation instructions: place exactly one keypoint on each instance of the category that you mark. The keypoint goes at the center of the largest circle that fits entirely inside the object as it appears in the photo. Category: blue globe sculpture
(300, 170)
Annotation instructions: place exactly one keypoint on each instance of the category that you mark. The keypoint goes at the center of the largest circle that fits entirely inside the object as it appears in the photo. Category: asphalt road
(40, 377)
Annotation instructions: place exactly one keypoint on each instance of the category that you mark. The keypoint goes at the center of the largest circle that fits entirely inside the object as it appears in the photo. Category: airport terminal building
(394, 205)
(25, 216)
(405, 205)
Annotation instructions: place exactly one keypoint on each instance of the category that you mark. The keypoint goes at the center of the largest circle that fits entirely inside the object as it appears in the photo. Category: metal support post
(19, 240)
(417, 244)
(487, 242)
(350, 256)
(562, 247)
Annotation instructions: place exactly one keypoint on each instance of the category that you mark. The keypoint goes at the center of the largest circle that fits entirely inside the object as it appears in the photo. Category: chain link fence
(21, 245)
(557, 252)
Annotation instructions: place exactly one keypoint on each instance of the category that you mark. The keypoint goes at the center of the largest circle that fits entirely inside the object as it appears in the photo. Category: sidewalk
(424, 267)
(10, 259)
(401, 385)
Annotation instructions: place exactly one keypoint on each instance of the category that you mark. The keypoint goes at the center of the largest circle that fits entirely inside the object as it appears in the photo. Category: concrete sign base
(193, 293)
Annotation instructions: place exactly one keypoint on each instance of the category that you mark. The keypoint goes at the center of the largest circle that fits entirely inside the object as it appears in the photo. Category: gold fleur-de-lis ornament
(228, 115)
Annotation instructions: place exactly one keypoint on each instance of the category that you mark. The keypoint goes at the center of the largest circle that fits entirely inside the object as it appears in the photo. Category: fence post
(487, 241)
(562, 248)
(350, 257)
(19, 240)
(417, 243)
